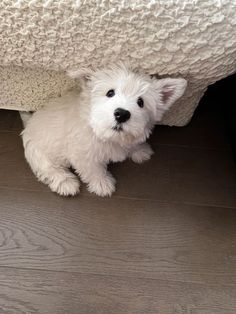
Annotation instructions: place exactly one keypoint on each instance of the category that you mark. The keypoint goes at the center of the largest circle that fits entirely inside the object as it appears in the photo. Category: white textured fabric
(194, 39)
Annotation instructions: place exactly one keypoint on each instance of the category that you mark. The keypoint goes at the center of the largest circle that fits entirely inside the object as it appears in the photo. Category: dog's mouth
(118, 128)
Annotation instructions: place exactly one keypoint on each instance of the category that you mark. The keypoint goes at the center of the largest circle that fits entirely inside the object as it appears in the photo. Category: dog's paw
(68, 187)
(104, 186)
(143, 153)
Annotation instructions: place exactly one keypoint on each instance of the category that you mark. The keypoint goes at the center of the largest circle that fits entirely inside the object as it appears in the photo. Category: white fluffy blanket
(40, 39)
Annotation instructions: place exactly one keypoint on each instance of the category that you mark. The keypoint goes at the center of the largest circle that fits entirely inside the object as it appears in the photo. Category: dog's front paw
(103, 186)
(68, 187)
(142, 153)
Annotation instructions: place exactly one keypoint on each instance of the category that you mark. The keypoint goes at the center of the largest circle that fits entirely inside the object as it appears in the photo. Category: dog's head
(126, 105)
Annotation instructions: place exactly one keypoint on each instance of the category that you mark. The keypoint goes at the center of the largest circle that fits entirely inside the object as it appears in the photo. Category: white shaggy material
(109, 120)
(190, 38)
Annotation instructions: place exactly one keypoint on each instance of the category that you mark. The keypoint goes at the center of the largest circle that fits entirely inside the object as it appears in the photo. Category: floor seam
(113, 275)
(125, 198)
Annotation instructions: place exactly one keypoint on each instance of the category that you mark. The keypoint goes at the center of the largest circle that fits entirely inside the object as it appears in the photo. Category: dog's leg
(62, 181)
(59, 179)
(141, 152)
(99, 180)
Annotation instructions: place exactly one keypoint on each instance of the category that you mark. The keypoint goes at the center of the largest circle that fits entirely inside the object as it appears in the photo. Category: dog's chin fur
(122, 136)
(80, 129)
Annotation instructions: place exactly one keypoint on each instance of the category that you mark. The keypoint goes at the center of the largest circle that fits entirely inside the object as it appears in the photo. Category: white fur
(78, 129)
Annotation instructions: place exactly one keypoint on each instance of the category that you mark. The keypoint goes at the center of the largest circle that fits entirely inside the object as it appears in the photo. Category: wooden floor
(165, 243)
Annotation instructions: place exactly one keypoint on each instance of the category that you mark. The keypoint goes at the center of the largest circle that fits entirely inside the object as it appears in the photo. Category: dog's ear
(169, 90)
(82, 75)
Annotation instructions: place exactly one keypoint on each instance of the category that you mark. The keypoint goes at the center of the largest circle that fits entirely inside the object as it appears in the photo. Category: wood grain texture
(118, 237)
(44, 292)
(181, 174)
(164, 244)
(174, 174)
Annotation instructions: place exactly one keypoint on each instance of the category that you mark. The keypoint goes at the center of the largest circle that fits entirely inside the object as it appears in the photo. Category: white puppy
(109, 120)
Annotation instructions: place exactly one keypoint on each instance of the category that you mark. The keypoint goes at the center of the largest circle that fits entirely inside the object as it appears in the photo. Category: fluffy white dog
(107, 121)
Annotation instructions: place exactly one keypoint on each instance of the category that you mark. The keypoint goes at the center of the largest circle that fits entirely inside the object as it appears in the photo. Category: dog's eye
(110, 93)
(140, 102)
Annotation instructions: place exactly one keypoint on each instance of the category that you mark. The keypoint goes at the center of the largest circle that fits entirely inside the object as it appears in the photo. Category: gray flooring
(164, 243)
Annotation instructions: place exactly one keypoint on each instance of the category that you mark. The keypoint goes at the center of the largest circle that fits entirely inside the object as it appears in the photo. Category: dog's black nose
(121, 115)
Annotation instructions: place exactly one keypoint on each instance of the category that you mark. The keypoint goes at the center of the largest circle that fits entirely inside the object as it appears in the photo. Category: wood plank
(31, 292)
(181, 174)
(123, 237)
(174, 174)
